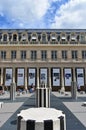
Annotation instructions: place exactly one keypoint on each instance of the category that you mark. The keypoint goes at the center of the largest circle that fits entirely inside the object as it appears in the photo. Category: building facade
(32, 56)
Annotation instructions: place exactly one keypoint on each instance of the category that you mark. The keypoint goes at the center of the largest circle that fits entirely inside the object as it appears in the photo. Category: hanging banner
(80, 77)
(20, 77)
(56, 77)
(8, 77)
(68, 77)
(43, 76)
(31, 77)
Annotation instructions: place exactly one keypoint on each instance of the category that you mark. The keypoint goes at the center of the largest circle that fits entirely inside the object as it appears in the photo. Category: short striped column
(43, 97)
(41, 119)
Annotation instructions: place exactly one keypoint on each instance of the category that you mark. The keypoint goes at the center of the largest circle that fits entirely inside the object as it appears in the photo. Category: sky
(42, 14)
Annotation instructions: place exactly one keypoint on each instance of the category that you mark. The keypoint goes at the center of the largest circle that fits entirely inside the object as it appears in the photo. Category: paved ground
(74, 109)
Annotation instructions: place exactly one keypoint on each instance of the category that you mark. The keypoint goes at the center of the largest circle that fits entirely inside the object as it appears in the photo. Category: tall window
(5, 37)
(64, 54)
(54, 55)
(82, 37)
(13, 54)
(23, 55)
(14, 37)
(3, 54)
(43, 38)
(83, 54)
(33, 55)
(44, 55)
(74, 54)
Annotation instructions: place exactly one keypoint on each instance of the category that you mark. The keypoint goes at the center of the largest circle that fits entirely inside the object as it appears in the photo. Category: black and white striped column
(41, 119)
(43, 97)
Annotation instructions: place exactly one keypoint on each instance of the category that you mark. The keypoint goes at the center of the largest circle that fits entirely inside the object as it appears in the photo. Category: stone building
(53, 56)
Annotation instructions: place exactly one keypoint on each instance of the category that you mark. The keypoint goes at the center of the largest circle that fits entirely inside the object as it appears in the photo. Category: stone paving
(74, 109)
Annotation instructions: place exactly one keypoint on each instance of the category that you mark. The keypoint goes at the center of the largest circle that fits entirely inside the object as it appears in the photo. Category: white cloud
(24, 10)
(71, 15)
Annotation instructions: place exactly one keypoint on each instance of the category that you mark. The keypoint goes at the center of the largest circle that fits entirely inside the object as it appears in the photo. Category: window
(34, 38)
(43, 38)
(54, 55)
(74, 54)
(82, 37)
(14, 37)
(64, 54)
(3, 54)
(13, 54)
(53, 37)
(83, 54)
(24, 37)
(5, 37)
(33, 55)
(44, 55)
(23, 55)
(63, 38)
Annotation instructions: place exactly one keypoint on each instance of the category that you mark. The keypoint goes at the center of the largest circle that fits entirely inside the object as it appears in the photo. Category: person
(1, 89)
(32, 89)
(78, 88)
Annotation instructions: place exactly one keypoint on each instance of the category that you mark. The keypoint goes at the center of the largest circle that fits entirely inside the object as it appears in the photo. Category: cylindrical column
(62, 81)
(74, 75)
(37, 77)
(43, 97)
(13, 75)
(12, 91)
(85, 81)
(1, 75)
(50, 78)
(74, 90)
(25, 78)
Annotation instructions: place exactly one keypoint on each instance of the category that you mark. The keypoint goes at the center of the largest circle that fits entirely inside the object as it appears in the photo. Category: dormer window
(14, 37)
(5, 37)
(43, 38)
(63, 38)
(24, 38)
(73, 38)
(53, 38)
(34, 37)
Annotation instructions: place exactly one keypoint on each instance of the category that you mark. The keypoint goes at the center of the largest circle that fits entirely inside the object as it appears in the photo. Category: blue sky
(58, 14)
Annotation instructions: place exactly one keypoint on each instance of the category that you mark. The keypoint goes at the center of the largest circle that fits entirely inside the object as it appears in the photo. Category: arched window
(53, 37)
(14, 37)
(5, 37)
(34, 37)
(43, 38)
(24, 37)
(63, 37)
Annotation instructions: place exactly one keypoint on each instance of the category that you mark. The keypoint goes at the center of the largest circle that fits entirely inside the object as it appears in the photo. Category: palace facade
(53, 56)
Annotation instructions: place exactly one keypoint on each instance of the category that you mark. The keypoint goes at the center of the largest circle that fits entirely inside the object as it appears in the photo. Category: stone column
(74, 86)
(74, 75)
(62, 81)
(2, 75)
(85, 81)
(38, 78)
(26, 79)
(49, 78)
(85, 75)
(13, 75)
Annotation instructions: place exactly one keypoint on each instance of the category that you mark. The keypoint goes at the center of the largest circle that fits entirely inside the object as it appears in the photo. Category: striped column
(41, 119)
(43, 97)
